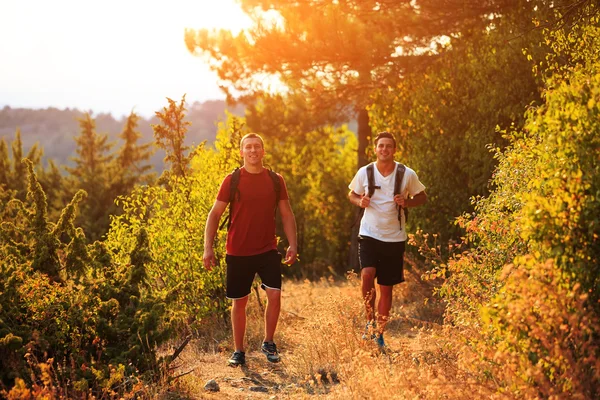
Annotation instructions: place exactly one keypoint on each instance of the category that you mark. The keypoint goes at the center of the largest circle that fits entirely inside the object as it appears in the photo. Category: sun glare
(213, 14)
(112, 55)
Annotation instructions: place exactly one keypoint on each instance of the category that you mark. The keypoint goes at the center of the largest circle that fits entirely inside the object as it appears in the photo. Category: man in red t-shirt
(251, 243)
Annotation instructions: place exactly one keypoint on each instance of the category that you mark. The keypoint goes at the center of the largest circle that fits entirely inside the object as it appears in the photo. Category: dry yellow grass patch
(324, 356)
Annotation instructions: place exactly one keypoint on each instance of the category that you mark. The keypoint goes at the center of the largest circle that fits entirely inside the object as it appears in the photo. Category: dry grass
(323, 355)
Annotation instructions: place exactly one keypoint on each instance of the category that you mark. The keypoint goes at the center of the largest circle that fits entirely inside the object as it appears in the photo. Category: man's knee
(239, 303)
(386, 292)
(273, 295)
(368, 274)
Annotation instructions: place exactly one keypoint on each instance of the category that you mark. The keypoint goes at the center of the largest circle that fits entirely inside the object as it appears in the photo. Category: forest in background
(55, 129)
(501, 124)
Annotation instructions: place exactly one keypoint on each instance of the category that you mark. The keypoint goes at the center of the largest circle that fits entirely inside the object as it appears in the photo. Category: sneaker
(380, 342)
(238, 358)
(369, 331)
(270, 350)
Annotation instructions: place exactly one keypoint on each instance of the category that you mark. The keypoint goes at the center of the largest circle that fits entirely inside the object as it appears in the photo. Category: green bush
(527, 293)
(446, 118)
(68, 308)
(174, 217)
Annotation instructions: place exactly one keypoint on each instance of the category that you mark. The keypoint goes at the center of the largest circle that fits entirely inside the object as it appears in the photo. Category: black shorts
(242, 269)
(386, 257)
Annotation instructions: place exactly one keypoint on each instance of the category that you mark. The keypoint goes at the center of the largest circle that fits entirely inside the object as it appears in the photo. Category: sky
(110, 56)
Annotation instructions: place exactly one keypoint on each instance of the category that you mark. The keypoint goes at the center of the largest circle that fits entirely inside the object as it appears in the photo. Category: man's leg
(272, 313)
(384, 306)
(367, 276)
(390, 272)
(270, 274)
(238, 322)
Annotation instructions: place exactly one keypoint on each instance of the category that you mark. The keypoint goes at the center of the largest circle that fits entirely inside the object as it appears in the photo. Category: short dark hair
(385, 134)
(252, 136)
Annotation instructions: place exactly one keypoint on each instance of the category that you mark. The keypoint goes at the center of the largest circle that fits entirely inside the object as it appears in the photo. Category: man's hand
(400, 200)
(364, 201)
(290, 256)
(209, 259)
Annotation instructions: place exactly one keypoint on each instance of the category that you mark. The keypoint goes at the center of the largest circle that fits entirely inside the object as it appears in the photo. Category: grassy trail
(323, 354)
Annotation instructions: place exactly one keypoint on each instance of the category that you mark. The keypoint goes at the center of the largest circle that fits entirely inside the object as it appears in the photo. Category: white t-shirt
(380, 220)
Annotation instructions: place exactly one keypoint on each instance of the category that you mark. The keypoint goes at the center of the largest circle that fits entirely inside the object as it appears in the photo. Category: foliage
(94, 172)
(549, 334)
(13, 174)
(53, 183)
(68, 307)
(447, 118)
(54, 129)
(174, 216)
(317, 163)
(333, 54)
(104, 175)
(170, 135)
(531, 285)
(132, 156)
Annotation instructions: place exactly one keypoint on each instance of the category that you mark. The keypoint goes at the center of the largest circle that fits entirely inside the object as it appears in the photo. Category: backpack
(400, 170)
(234, 193)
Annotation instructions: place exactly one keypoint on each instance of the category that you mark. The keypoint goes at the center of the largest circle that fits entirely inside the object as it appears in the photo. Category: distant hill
(54, 129)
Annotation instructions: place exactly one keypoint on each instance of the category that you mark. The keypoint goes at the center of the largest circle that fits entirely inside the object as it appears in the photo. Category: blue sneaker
(380, 342)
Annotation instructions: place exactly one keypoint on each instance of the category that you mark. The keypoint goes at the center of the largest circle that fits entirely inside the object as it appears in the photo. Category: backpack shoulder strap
(234, 194)
(371, 179)
(370, 190)
(276, 185)
(400, 170)
(233, 185)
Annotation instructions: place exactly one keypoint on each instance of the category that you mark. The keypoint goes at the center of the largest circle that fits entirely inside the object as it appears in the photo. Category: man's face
(385, 149)
(252, 151)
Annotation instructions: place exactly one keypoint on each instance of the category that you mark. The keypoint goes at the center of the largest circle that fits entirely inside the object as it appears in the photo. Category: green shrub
(67, 307)
(527, 293)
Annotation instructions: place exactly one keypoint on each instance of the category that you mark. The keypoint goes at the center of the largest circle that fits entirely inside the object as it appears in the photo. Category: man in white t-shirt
(382, 234)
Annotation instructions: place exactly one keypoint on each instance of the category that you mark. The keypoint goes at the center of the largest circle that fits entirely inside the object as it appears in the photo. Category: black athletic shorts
(242, 269)
(386, 257)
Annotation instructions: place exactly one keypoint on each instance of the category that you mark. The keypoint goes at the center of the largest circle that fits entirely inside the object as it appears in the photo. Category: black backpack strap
(276, 185)
(400, 170)
(371, 179)
(370, 190)
(234, 195)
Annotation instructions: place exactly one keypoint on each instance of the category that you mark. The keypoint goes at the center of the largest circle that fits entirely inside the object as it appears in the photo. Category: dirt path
(323, 354)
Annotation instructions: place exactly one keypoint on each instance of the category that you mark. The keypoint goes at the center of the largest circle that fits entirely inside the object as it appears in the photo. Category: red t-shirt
(252, 229)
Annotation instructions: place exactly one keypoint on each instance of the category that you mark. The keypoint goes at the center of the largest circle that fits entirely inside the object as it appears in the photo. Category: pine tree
(14, 172)
(18, 178)
(53, 181)
(132, 157)
(93, 173)
(170, 136)
(45, 241)
(337, 54)
(4, 165)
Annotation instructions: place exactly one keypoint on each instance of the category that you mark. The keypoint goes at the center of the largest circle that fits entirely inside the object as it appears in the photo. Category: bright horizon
(107, 57)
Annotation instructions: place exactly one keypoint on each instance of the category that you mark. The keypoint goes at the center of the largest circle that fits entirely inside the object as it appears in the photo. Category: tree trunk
(364, 138)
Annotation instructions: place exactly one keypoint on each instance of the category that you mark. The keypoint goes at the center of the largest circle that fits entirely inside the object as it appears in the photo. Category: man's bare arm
(417, 200)
(212, 224)
(289, 227)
